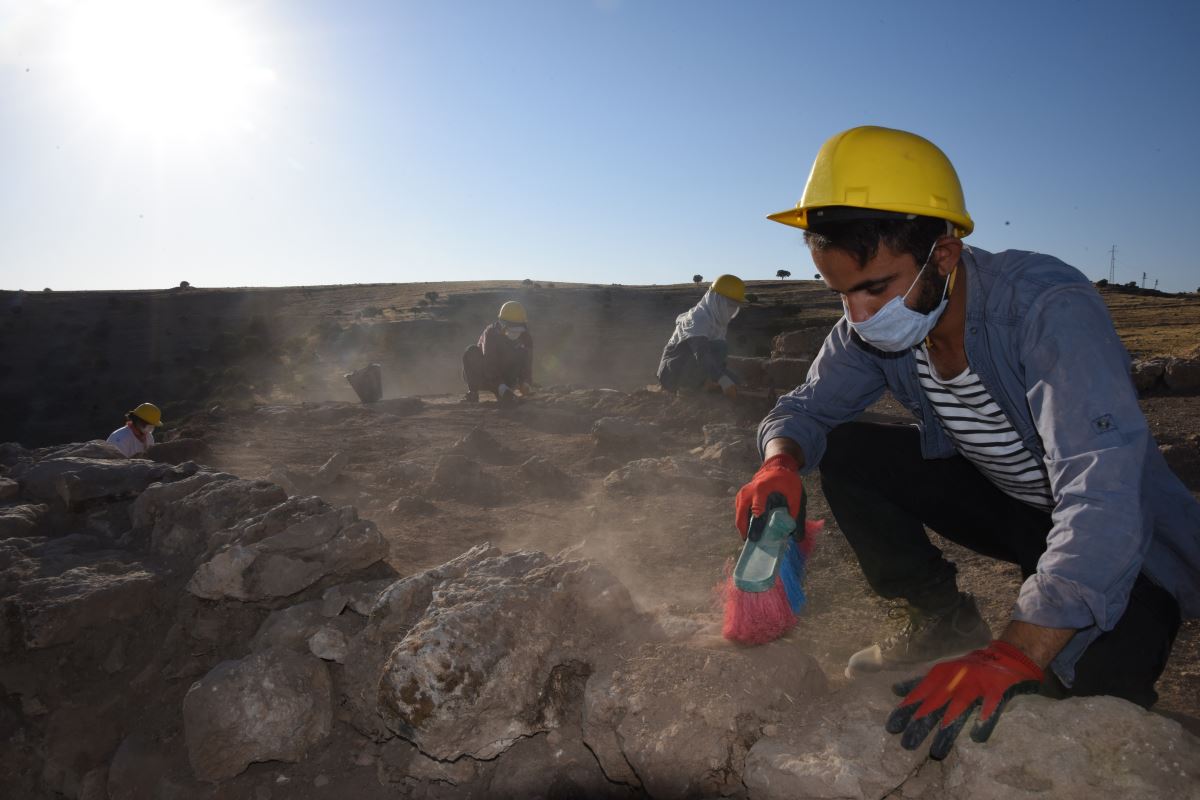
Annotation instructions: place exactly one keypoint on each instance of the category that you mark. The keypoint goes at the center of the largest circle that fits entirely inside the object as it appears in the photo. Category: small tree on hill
(697, 278)
(432, 297)
(783, 273)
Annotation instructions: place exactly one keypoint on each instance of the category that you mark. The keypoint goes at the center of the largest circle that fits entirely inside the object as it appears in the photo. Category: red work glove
(985, 679)
(779, 473)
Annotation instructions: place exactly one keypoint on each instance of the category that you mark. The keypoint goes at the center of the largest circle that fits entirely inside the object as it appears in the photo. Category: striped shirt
(983, 435)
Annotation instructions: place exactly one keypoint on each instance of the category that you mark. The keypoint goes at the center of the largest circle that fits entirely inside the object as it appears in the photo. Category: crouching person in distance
(137, 434)
(694, 357)
(1030, 447)
(502, 361)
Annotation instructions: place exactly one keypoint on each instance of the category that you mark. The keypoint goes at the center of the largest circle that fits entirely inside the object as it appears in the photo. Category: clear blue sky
(629, 141)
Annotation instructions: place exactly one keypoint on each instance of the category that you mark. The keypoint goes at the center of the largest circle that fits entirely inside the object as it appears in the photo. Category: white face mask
(513, 334)
(896, 327)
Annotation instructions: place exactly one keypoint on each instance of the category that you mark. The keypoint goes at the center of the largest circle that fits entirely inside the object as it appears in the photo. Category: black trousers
(883, 494)
(479, 372)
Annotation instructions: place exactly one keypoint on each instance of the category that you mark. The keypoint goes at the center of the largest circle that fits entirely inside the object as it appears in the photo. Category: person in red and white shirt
(137, 434)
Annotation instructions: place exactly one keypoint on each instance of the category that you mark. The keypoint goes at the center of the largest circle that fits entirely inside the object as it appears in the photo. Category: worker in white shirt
(136, 436)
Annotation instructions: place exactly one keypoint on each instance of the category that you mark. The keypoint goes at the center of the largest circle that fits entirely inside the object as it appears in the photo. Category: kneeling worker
(695, 354)
(1030, 447)
(502, 361)
(137, 434)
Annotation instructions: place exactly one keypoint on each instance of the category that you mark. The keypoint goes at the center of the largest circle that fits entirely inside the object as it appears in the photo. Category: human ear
(946, 254)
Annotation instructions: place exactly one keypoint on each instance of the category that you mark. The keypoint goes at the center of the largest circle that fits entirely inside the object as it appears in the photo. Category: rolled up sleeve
(841, 382)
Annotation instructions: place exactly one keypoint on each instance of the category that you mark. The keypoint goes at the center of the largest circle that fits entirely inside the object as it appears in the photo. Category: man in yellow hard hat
(502, 360)
(137, 434)
(1030, 448)
(696, 352)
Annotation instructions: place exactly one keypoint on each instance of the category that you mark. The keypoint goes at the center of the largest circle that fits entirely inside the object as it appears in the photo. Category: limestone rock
(411, 505)
(1147, 373)
(731, 447)
(804, 343)
(286, 549)
(61, 601)
(289, 628)
(624, 435)
(178, 451)
(403, 474)
(462, 478)
(400, 762)
(186, 527)
(73, 480)
(328, 644)
(97, 448)
(482, 445)
(1075, 748)
(328, 472)
(722, 432)
(77, 741)
(270, 706)
(553, 765)
(752, 371)
(395, 611)
(843, 751)
(546, 479)
(678, 718)
(21, 520)
(359, 596)
(501, 653)
(786, 374)
(1182, 376)
(665, 476)
(179, 524)
(140, 771)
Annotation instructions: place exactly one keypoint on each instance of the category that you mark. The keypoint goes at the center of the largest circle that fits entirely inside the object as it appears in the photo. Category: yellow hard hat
(881, 169)
(730, 286)
(513, 312)
(148, 413)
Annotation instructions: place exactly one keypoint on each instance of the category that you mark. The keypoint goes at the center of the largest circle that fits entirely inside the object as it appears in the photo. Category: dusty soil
(71, 363)
(670, 551)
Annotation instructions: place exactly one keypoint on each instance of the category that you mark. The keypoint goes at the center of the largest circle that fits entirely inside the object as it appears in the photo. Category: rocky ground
(377, 607)
(420, 598)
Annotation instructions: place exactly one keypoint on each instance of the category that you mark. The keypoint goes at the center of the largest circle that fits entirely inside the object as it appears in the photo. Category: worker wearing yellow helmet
(1030, 448)
(502, 360)
(137, 434)
(695, 354)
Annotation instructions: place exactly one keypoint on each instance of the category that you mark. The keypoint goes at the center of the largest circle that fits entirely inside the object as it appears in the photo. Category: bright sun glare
(167, 69)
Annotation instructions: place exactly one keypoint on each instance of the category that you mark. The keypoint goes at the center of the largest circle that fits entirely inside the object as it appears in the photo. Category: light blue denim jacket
(1040, 338)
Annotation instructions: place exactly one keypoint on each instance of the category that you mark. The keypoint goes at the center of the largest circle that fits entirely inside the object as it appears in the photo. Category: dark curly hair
(860, 236)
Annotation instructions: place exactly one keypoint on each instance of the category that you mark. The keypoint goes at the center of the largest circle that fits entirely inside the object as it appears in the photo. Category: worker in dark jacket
(695, 354)
(502, 361)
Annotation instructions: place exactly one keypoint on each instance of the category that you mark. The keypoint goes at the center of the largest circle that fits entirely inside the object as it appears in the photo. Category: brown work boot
(925, 637)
